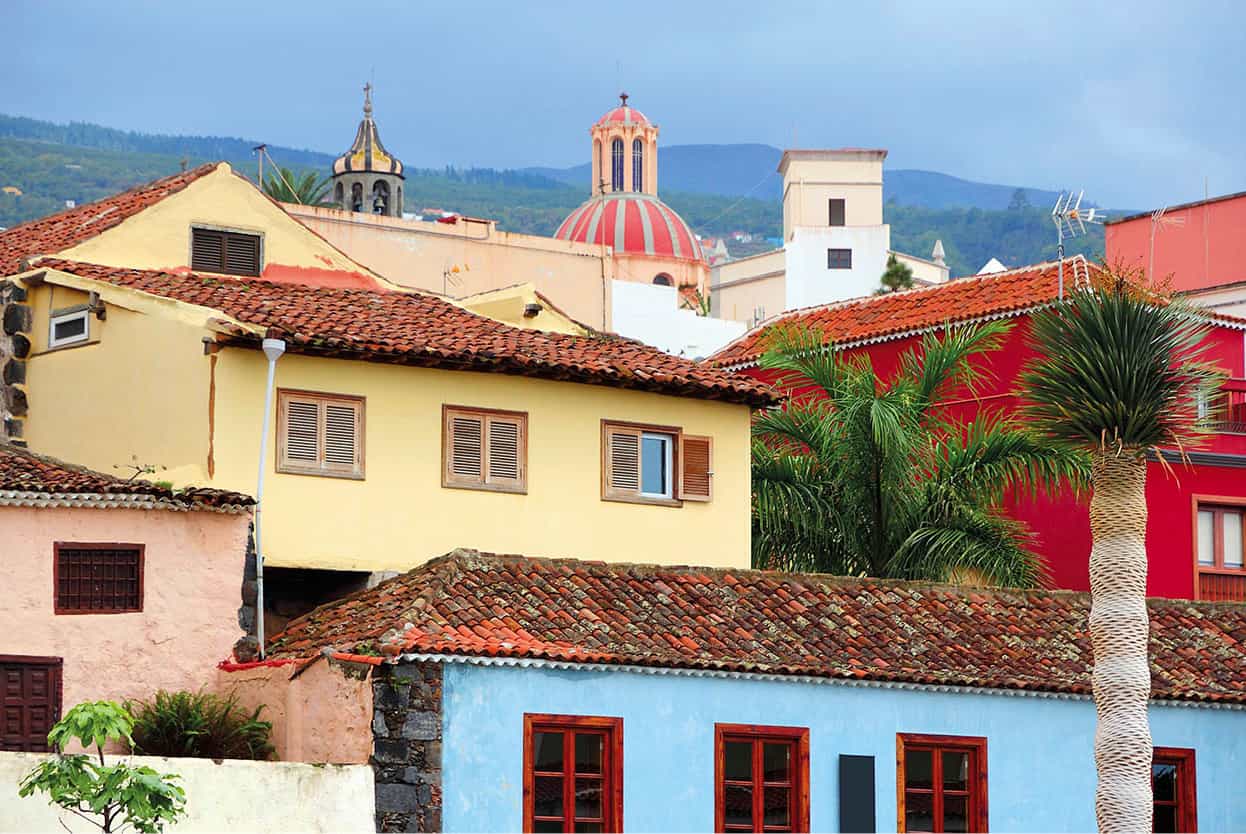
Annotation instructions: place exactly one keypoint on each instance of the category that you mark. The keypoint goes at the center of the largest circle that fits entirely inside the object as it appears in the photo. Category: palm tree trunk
(1119, 632)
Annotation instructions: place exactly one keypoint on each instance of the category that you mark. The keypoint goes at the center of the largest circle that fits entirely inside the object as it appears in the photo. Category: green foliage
(199, 725)
(288, 187)
(110, 797)
(896, 277)
(1120, 367)
(864, 475)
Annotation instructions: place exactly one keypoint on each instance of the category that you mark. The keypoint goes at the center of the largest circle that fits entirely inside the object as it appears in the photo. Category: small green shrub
(199, 725)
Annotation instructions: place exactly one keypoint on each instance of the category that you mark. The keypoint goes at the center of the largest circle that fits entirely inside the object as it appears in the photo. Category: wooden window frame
(977, 793)
(59, 317)
(676, 447)
(797, 736)
(226, 230)
(139, 549)
(1213, 502)
(286, 468)
(830, 212)
(1187, 784)
(831, 262)
(450, 481)
(611, 770)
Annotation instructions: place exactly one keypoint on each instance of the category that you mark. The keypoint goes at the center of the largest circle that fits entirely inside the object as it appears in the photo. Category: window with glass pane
(943, 783)
(1173, 789)
(655, 465)
(762, 779)
(1221, 542)
(572, 779)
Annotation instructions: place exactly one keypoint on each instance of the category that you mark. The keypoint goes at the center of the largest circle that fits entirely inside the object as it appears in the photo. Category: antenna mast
(1070, 222)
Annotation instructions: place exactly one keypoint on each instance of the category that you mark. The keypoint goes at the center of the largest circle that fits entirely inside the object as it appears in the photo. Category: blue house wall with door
(1039, 768)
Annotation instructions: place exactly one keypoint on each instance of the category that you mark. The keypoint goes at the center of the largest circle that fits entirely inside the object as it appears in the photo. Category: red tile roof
(27, 478)
(58, 232)
(898, 314)
(419, 329)
(474, 604)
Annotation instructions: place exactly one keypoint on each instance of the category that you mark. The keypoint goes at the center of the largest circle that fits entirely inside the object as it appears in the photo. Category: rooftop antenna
(1070, 220)
(1159, 219)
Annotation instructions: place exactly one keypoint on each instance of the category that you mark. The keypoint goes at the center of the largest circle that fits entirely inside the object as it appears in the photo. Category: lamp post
(273, 349)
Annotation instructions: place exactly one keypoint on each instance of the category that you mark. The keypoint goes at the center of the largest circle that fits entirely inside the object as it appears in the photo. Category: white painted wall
(229, 796)
(651, 313)
(809, 282)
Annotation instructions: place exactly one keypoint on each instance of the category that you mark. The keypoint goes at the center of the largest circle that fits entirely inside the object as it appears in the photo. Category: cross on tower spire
(367, 99)
(623, 99)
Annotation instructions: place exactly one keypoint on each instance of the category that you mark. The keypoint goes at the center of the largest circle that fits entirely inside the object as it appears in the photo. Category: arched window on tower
(638, 165)
(380, 197)
(339, 195)
(663, 280)
(616, 166)
(398, 204)
(356, 197)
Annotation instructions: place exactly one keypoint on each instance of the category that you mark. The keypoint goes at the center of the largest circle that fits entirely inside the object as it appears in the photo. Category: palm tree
(1118, 373)
(310, 190)
(860, 475)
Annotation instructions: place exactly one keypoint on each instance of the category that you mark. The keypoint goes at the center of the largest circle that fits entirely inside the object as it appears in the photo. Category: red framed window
(572, 773)
(941, 783)
(761, 778)
(97, 578)
(1220, 549)
(1173, 786)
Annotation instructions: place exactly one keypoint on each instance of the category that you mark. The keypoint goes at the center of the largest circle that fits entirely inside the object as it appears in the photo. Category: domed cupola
(367, 178)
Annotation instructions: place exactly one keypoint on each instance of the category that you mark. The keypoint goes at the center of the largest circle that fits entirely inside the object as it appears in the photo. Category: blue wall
(1040, 751)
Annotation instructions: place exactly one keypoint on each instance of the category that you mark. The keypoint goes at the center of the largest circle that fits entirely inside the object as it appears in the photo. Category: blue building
(557, 695)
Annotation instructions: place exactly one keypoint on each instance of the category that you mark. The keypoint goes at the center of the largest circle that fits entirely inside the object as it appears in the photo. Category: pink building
(113, 589)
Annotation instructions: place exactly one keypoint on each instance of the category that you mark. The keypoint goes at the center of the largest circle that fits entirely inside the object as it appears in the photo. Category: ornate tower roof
(624, 114)
(367, 154)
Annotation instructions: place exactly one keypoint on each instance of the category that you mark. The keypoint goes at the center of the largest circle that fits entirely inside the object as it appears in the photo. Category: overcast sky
(1137, 102)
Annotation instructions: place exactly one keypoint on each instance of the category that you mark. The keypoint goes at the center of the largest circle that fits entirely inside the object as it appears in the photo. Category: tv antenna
(1070, 220)
(1159, 219)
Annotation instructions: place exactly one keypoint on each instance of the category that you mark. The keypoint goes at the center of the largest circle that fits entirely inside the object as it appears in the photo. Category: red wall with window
(1062, 523)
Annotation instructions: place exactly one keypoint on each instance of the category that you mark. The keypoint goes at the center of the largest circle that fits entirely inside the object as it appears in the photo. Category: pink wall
(1202, 246)
(1062, 523)
(192, 590)
(321, 710)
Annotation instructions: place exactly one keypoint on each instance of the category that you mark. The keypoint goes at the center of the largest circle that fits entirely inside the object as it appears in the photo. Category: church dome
(632, 223)
(367, 154)
(624, 115)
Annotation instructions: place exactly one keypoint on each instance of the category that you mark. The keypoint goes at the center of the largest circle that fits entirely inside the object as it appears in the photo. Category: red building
(1195, 512)
(1199, 247)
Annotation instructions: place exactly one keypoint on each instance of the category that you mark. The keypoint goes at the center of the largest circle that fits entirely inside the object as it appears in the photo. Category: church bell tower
(367, 178)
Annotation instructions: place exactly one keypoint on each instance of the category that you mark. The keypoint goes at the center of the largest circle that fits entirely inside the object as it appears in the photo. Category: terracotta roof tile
(468, 603)
(58, 232)
(420, 329)
(26, 476)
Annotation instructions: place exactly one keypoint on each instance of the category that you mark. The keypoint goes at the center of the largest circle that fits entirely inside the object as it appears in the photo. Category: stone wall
(15, 323)
(406, 753)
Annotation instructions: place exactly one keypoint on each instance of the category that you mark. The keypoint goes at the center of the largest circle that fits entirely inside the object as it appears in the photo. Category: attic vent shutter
(466, 458)
(504, 451)
(302, 432)
(207, 250)
(228, 253)
(696, 479)
(242, 254)
(623, 453)
(340, 429)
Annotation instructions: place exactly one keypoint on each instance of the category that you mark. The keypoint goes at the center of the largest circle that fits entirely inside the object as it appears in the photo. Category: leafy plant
(109, 797)
(864, 475)
(311, 189)
(199, 725)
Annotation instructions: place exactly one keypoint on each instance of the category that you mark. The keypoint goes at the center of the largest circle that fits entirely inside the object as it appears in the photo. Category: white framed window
(655, 464)
(69, 328)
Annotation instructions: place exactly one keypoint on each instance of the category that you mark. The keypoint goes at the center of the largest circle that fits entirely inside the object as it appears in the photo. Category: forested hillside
(80, 162)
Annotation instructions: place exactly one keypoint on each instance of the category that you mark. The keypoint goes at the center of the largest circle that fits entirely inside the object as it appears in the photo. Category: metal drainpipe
(273, 349)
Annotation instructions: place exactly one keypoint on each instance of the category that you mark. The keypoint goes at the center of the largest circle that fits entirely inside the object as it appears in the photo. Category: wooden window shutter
(207, 250)
(341, 436)
(622, 455)
(506, 442)
(696, 478)
(229, 253)
(484, 449)
(242, 254)
(465, 434)
(320, 434)
(302, 432)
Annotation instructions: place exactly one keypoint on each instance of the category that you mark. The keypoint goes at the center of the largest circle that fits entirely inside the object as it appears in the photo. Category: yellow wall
(508, 305)
(141, 394)
(159, 237)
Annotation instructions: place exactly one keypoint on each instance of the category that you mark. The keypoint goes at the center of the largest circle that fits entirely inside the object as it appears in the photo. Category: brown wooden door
(30, 701)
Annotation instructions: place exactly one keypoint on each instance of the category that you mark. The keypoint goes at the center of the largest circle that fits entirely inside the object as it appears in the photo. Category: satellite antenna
(1159, 219)
(1070, 220)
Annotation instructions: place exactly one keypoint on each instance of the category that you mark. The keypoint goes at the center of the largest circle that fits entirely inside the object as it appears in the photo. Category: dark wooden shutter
(30, 701)
(207, 250)
(242, 254)
(856, 793)
(229, 253)
(97, 578)
(696, 482)
(622, 460)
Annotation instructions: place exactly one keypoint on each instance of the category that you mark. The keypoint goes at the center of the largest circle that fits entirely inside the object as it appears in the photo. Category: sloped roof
(58, 232)
(474, 604)
(898, 314)
(28, 479)
(420, 329)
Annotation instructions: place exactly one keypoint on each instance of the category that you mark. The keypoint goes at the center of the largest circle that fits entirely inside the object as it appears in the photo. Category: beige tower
(366, 178)
(625, 151)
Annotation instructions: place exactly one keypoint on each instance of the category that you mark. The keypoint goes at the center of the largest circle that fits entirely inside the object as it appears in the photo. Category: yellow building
(404, 425)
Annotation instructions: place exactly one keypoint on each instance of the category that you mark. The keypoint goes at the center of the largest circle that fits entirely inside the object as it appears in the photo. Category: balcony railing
(1228, 414)
(1221, 585)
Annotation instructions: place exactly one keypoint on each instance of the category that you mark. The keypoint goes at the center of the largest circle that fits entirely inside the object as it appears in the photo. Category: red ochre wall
(1062, 523)
(1199, 247)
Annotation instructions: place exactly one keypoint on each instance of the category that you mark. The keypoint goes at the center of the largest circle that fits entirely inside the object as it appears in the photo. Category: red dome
(624, 115)
(634, 224)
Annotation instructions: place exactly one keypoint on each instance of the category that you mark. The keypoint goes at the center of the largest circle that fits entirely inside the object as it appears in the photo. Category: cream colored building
(835, 243)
